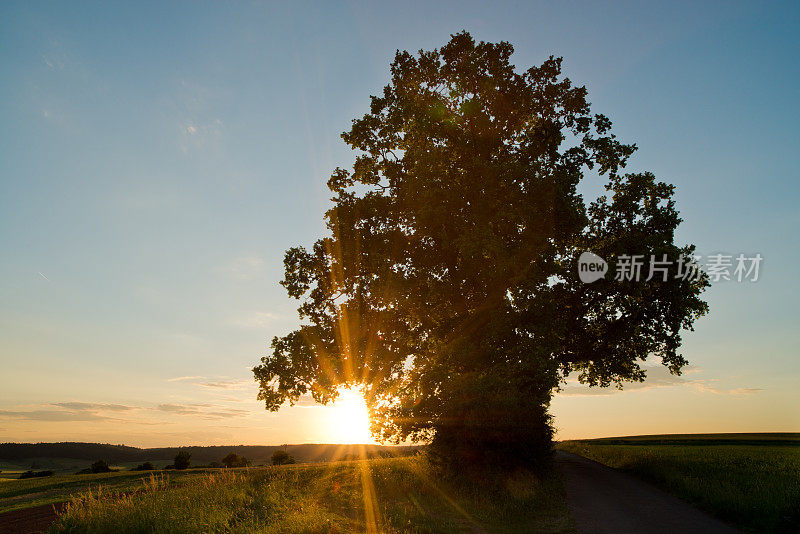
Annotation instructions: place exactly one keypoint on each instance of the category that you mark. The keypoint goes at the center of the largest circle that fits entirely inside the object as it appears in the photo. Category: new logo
(591, 267)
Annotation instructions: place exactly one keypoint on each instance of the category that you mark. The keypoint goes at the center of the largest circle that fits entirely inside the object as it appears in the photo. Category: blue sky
(157, 159)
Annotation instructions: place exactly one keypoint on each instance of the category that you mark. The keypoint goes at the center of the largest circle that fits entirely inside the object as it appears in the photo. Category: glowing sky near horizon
(157, 159)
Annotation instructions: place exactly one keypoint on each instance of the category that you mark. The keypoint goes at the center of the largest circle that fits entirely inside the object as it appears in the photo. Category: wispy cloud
(180, 378)
(55, 56)
(244, 267)
(226, 413)
(178, 408)
(196, 135)
(225, 384)
(657, 377)
(54, 415)
(254, 320)
(202, 410)
(746, 391)
(93, 406)
(306, 401)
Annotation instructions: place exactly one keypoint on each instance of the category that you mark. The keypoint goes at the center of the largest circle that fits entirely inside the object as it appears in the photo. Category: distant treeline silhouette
(309, 452)
(35, 474)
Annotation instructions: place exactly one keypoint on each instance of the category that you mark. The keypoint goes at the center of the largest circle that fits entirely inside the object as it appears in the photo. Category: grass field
(384, 495)
(750, 480)
(18, 494)
(61, 466)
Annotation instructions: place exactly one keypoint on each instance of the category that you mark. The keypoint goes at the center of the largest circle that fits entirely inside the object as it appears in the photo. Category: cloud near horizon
(74, 411)
(180, 378)
(197, 410)
(746, 391)
(55, 415)
(657, 377)
(93, 406)
(224, 384)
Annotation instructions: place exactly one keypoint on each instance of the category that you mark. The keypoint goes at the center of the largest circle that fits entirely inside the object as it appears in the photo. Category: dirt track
(30, 520)
(603, 500)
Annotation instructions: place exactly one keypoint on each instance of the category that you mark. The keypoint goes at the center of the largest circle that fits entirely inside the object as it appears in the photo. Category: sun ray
(417, 471)
(371, 509)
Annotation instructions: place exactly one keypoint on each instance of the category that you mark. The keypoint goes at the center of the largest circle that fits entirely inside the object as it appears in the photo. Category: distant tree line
(118, 454)
(182, 460)
(36, 474)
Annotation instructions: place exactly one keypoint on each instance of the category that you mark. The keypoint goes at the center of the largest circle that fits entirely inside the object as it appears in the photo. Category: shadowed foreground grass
(387, 495)
(754, 487)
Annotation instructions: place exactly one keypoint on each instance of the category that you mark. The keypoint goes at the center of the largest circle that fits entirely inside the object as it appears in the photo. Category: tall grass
(754, 487)
(389, 495)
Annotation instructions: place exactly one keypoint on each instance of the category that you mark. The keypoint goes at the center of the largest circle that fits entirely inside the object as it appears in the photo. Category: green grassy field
(18, 494)
(384, 495)
(59, 466)
(750, 480)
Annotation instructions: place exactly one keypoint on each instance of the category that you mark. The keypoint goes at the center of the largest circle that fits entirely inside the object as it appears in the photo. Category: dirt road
(30, 520)
(603, 500)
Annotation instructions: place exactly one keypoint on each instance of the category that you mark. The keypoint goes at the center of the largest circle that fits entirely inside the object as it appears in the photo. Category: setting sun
(349, 419)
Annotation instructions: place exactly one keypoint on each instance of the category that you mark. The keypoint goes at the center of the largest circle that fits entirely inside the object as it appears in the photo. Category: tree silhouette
(281, 457)
(234, 460)
(447, 287)
(182, 460)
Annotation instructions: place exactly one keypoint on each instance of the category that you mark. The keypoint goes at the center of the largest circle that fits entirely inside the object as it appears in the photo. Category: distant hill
(115, 454)
(748, 438)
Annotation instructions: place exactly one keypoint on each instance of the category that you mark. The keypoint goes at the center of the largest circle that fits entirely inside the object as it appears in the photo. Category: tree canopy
(234, 460)
(447, 287)
(281, 457)
(182, 460)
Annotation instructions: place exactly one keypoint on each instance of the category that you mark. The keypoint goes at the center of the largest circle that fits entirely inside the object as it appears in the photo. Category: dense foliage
(234, 460)
(447, 286)
(183, 460)
(281, 457)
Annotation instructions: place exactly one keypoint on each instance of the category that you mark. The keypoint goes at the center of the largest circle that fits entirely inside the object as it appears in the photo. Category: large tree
(447, 288)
